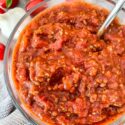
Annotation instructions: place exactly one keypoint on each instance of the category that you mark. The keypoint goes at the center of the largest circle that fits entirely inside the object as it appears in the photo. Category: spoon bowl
(111, 17)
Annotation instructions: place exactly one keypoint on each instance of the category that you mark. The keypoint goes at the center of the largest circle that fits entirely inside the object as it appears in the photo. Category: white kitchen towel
(6, 105)
(14, 119)
(8, 114)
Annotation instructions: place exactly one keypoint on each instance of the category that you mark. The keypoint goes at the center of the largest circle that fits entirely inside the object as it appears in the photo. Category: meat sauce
(64, 73)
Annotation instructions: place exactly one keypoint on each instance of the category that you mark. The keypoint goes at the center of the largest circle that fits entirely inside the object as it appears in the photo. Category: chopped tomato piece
(33, 3)
(4, 5)
(2, 48)
(1, 11)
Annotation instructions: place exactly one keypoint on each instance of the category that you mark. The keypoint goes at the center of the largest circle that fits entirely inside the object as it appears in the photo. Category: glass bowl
(108, 4)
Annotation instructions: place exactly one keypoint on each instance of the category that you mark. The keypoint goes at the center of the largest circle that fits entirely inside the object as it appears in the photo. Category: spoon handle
(111, 17)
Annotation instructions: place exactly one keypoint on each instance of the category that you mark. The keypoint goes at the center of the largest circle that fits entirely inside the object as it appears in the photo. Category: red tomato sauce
(64, 72)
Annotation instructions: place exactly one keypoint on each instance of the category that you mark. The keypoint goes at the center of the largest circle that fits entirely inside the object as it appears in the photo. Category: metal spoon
(111, 17)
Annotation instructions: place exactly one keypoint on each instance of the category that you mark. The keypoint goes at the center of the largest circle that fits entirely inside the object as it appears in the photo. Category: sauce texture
(64, 73)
